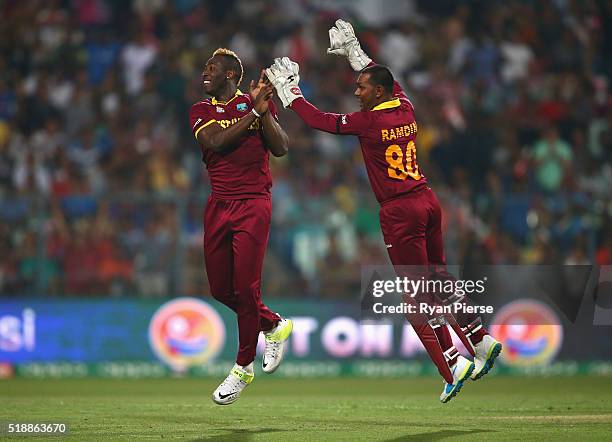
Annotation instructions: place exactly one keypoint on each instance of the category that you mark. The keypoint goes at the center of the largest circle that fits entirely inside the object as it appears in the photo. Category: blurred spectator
(552, 160)
(604, 251)
(6, 160)
(102, 185)
(578, 255)
(30, 174)
(400, 49)
(137, 56)
(517, 58)
(102, 53)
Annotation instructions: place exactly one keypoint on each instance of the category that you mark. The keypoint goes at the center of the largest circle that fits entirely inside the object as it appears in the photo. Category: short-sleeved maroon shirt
(240, 171)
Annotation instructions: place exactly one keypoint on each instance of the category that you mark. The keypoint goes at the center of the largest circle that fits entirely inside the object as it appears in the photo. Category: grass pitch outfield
(494, 408)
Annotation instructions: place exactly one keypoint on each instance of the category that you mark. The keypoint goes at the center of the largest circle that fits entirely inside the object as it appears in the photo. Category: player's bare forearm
(215, 138)
(313, 117)
(276, 138)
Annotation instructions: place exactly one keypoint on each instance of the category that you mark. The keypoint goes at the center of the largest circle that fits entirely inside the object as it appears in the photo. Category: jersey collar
(214, 100)
(387, 104)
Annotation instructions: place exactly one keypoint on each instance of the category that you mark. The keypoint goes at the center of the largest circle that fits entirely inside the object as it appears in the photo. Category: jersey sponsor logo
(242, 107)
(296, 90)
(389, 245)
(186, 332)
(196, 123)
(343, 119)
(220, 110)
(227, 123)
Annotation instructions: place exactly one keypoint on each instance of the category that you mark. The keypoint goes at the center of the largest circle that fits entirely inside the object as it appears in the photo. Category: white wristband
(255, 113)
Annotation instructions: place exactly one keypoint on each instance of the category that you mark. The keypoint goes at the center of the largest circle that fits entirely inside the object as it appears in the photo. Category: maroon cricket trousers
(235, 239)
(412, 229)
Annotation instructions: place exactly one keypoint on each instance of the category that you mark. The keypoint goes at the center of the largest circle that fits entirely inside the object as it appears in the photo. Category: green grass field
(495, 408)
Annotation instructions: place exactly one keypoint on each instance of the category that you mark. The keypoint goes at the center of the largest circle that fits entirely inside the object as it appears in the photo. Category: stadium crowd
(102, 186)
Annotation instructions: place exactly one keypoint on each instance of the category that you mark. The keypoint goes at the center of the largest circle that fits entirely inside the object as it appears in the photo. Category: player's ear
(380, 91)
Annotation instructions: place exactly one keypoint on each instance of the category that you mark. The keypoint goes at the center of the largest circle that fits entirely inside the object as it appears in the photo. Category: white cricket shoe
(485, 353)
(461, 370)
(229, 390)
(275, 345)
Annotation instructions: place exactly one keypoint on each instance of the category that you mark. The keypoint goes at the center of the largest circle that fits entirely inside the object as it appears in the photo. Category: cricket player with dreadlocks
(237, 132)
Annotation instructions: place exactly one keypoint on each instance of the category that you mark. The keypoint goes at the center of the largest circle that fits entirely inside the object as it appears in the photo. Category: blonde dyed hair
(231, 54)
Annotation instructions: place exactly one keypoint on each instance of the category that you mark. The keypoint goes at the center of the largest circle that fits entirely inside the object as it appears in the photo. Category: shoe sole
(493, 354)
(282, 353)
(466, 374)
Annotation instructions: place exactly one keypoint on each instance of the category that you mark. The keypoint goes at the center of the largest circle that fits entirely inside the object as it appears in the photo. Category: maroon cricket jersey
(387, 134)
(240, 171)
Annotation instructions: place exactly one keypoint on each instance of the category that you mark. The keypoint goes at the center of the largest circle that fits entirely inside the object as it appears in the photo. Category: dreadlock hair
(233, 63)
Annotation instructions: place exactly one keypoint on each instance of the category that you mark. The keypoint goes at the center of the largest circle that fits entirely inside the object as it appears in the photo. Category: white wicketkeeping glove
(342, 41)
(284, 76)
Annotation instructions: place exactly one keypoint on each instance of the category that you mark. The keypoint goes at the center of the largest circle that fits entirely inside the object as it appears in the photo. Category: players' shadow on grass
(438, 435)
(238, 434)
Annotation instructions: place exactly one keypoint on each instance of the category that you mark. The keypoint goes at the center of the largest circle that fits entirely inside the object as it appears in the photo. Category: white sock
(247, 368)
(273, 329)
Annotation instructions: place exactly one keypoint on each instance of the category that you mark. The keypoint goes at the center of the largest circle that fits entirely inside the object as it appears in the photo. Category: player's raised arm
(343, 42)
(277, 140)
(284, 75)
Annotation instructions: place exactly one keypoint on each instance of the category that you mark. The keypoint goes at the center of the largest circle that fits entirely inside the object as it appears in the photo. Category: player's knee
(247, 286)
(249, 302)
(246, 308)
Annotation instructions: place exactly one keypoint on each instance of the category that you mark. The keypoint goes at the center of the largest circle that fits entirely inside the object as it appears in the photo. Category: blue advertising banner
(40, 330)
(185, 333)
(181, 332)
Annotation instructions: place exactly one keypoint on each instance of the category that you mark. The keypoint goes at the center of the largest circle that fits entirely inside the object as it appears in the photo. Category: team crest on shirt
(242, 107)
(220, 109)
